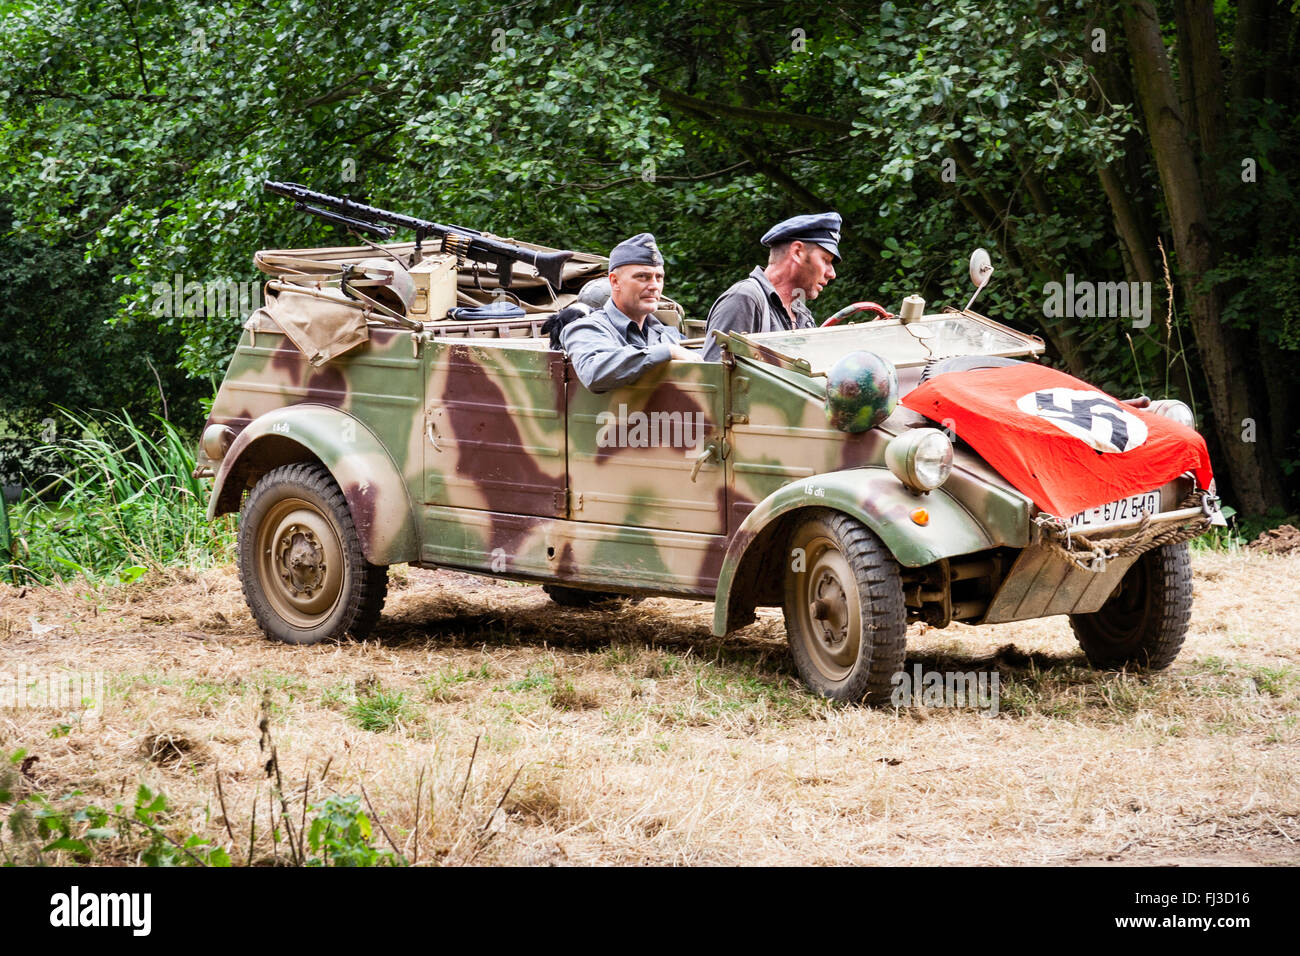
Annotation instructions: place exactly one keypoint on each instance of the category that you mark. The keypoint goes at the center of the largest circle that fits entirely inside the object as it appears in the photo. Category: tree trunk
(1251, 469)
(1248, 46)
(1120, 180)
(1128, 225)
(1202, 80)
(1277, 77)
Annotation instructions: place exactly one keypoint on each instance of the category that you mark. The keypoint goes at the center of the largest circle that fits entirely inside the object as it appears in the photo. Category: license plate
(1124, 509)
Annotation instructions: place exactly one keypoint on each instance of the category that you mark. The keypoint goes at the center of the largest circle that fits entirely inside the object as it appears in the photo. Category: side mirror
(981, 270)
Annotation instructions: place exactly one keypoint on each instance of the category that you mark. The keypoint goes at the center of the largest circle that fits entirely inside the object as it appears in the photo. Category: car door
(650, 455)
(494, 426)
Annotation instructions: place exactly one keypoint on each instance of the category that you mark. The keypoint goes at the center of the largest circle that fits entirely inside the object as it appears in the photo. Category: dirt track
(640, 738)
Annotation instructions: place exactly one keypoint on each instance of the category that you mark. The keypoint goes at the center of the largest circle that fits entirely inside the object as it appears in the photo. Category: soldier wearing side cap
(615, 344)
(801, 262)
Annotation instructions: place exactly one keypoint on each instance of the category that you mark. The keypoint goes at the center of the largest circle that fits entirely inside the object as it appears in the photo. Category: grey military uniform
(608, 350)
(752, 305)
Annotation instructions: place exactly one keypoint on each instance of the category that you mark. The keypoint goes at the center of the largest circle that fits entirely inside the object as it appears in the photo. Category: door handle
(430, 427)
(708, 451)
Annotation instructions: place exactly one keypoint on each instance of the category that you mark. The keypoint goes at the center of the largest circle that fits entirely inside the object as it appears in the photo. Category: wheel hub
(831, 619)
(301, 560)
(829, 609)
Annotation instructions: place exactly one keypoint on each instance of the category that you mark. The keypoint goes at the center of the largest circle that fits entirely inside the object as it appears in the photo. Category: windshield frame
(774, 348)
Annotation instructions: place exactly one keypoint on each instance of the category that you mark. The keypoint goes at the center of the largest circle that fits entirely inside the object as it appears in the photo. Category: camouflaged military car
(362, 423)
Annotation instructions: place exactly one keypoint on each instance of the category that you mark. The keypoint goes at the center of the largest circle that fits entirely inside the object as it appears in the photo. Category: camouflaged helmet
(595, 293)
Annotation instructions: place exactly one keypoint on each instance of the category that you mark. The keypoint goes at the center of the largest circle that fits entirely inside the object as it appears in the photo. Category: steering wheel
(880, 310)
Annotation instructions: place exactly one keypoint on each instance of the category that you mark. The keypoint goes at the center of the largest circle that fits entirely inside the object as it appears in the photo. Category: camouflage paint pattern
(474, 446)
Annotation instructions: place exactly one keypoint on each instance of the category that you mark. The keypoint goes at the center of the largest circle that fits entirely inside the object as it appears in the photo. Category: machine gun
(454, 240)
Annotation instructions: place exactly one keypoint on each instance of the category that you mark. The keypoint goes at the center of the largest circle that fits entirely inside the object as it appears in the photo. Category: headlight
(216, 441)
(920, 459)
(1173, 409)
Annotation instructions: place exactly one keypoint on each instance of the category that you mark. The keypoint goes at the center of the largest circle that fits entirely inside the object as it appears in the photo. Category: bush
(122, 505)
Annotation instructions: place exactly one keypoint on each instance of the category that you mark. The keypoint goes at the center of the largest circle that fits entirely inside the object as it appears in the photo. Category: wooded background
(1068, 139)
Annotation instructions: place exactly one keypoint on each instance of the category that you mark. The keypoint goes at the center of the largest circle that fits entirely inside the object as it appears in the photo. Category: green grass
(382, 712)
(1274, 681)
(1086, 696)
(536, 679)
(125, 502)
(291, 684)
(1285, 731)
(1241, 530)
(568, 696)
(445, 685)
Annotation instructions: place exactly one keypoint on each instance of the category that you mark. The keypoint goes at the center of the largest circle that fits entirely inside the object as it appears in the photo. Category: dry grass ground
(638, 738)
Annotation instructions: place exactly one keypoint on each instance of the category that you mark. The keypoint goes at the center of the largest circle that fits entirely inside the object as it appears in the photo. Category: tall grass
(125, 502)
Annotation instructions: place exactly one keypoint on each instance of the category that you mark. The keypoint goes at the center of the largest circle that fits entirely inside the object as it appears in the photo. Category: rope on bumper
(1093, 554)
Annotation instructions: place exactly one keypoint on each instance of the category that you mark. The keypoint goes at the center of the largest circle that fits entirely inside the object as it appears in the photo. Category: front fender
(375, 490)
(877, 499)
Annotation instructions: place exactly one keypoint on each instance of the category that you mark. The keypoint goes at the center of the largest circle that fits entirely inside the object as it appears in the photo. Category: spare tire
(965, 363)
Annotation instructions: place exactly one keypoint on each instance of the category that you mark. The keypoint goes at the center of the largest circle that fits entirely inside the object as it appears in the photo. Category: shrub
(122, 505)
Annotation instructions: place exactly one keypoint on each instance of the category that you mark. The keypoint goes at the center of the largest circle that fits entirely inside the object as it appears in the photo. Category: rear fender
(871, 495)
(375, 490)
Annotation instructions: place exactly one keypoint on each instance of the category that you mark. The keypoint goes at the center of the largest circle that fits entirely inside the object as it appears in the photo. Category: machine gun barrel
(457, 240)
(373, 229)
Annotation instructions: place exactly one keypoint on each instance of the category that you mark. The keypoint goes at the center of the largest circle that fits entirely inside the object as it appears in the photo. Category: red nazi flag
(1065, 444)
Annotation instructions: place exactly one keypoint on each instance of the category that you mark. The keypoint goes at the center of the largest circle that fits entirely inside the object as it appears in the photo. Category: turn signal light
(921, 516)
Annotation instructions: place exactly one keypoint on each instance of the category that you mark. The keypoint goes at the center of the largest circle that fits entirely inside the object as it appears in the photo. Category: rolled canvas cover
(322, 323)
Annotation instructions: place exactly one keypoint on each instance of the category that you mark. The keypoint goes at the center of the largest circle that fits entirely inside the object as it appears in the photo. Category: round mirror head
(981, 267)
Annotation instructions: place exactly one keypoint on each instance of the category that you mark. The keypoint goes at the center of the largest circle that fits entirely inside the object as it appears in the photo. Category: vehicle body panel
(375, 490)
(472, 445)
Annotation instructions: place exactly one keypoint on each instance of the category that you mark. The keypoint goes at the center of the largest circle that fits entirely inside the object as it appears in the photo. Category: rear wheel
(1143, 624)
(844, 612)
(300, 560)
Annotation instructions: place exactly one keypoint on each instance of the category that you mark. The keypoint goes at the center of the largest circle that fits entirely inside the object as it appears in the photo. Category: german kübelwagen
(395, 404)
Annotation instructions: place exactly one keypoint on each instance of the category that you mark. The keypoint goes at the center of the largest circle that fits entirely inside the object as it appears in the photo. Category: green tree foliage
(58, 349)
(932, 127)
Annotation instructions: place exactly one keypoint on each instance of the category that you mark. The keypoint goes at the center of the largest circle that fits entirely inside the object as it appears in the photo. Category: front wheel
(300, 560)
(1143, 624)
(844, 612)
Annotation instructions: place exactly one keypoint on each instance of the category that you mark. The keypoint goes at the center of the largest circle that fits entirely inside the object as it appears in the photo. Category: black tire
(844, 613)
(578, 598)
(300, 560)
(964, 363)
(1143, 624)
